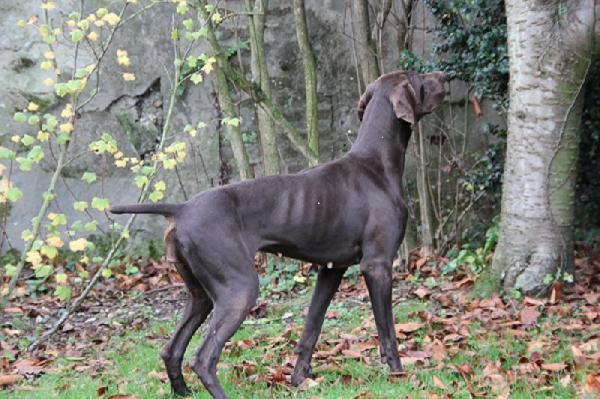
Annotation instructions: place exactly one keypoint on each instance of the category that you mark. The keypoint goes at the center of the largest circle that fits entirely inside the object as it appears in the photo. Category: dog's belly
(326, 255)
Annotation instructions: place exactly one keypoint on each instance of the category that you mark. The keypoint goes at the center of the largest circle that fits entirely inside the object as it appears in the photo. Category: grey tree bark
(367, 52)
(224, 96)
(260, 75)
(310, 77)
(550, 45)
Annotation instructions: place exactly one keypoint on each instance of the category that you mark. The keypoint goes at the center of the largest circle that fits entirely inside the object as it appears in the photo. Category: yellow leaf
(120, 163)
(32, 107)
(34, 258)
(112, 19)
(66, 127)
(67, 112)
(93, 36)
(55, 241)
(128, 77)
(15, 138)
(43, 136)
(49, 55)
(48, 6)
(52, 216)
(217, 18)
(49, 82)
(78, 245)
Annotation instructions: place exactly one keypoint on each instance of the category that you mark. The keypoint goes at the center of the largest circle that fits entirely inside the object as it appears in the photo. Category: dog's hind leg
(232, 305)
(328, 281)
(196, 311)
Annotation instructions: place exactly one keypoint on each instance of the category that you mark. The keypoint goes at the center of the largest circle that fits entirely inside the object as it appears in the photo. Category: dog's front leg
(378, 276)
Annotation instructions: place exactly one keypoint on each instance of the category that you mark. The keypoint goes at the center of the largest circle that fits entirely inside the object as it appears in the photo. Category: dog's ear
(363, 102)
(417, 95)
(405, 103)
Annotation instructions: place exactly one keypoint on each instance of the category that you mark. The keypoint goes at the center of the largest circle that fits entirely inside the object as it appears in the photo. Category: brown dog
(344, 212)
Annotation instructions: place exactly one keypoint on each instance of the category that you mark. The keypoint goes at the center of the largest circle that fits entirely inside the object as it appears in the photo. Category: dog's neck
(382, 137)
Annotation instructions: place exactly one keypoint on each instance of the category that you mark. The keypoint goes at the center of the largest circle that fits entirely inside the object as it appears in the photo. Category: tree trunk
(310, 77)
(550, 48)
(367, 53)
(224, 97)
(426, 225)
(260, 74)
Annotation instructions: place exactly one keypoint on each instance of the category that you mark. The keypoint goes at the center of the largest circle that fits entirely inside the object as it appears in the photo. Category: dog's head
(411, 94)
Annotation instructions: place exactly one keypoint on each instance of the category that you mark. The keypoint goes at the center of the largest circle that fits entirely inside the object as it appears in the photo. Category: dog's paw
(181, 390)
(301, 372)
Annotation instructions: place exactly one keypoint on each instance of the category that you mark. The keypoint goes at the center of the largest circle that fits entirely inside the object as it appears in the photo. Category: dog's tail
(157, 209)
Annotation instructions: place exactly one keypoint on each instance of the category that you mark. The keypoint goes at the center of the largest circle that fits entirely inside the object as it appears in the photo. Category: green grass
(133, 356)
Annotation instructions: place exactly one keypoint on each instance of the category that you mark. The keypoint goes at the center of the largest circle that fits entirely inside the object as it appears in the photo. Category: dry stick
(75, 305)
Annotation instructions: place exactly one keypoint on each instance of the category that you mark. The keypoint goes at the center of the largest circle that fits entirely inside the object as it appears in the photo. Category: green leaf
(43, 271)
(141, 181)
(90, 226)
(20, 117)
(100, 204)
(231, 121)
(106, 272)
(33, 120)
(80, 206)
(88, 177)
(36, 154)
(10, 270)
(25, 164)
(27, 140)
(156, 196)
(147, 170)
(188, 24)
(175, 34)
(76, 35)
(6, 153)
(13, 194)
(61, 278)
(49, 251)
(196, 78)
(63, 292)
(102, 12)
(76, 226)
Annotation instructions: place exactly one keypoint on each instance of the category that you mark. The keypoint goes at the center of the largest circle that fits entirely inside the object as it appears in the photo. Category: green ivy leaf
(49, 251)
(188, 24)
(6, 153)
(90, 226)
(43, 271)
(13, 194)
(76, 35)
(100, 204)
(25, 164)
(33, 120)
(106, 272)
(61, 278)
(63, 292)
(141, 181)
(156, 196)
(196, 78)
(88, 177)
(10, 270)
(80, 206)
(20, 117)
(36, 154)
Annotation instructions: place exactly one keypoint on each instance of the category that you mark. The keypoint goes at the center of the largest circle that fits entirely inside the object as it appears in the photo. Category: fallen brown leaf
(529, 315)
(9, 379)
(408, 327)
